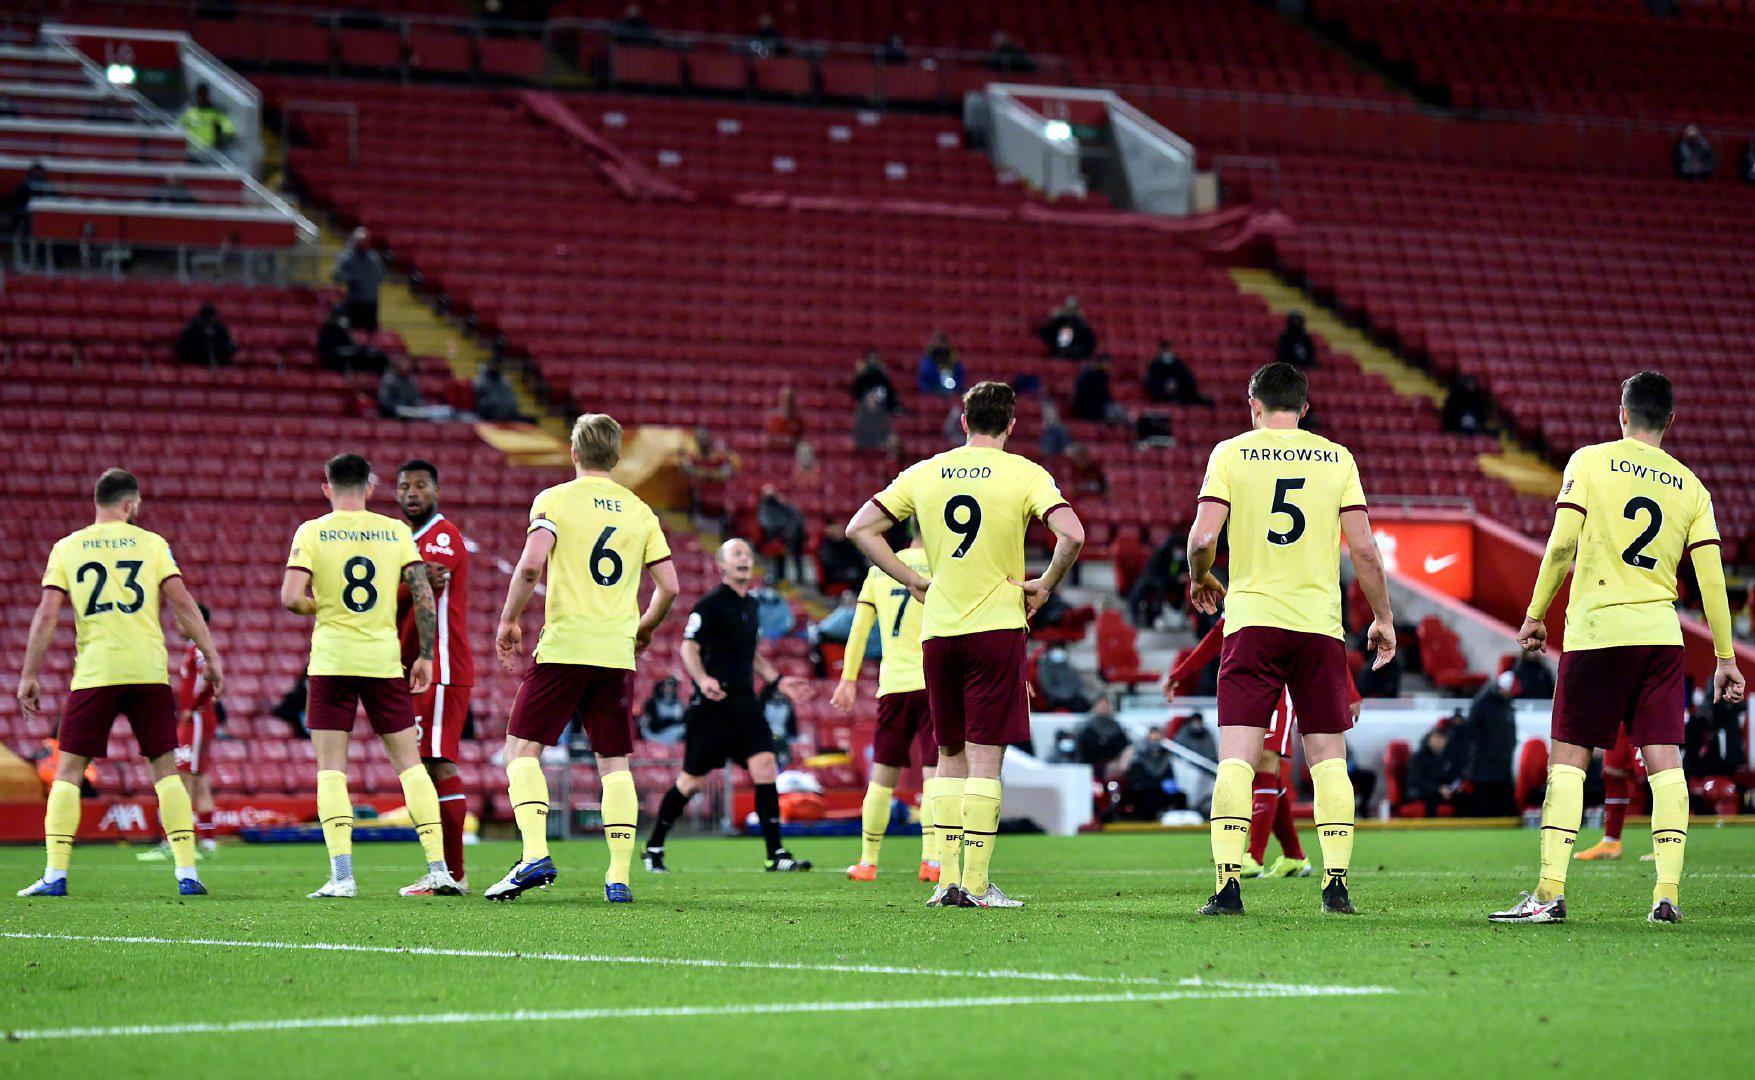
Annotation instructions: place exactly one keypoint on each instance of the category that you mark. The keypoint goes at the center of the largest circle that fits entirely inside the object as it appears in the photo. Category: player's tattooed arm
(426, 611)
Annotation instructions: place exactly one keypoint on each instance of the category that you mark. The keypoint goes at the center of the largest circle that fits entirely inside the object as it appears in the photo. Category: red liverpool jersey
(439, 541)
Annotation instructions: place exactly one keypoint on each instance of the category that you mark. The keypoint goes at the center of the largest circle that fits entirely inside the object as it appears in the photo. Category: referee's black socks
(768, 813)
(669, 809)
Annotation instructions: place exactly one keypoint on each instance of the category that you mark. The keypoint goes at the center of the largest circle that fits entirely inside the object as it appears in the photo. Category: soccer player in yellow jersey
(904, 714)
(343, 569)
(972, 505)
(595, 537)
(116, 575)
(1289, 497)
(1626, 517)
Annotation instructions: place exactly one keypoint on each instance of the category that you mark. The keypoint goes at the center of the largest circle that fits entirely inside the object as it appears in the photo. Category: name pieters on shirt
(1645, 472)
(107, 542)
(357, 535)
(1289, 453)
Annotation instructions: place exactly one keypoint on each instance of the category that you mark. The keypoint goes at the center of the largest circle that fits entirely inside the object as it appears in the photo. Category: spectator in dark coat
(841, 561)
(1295, 346)
(1465, 407)
(1693, 158)
(1063, 688)
(1091, 396)
(941, 369)
(1490, 741)
(1101, 738)
(1006, 55)
(360, 270)
(778, 522)
(35, 185)
(398, 393)
(870, 374)
(1161, 581)
(1066, 334)
(205, 339)
(1148, 782)
(872, 427)
(1169, 380)
(1535, 681)
(1084, 473)
(494, 399)
(661, 720)
(1431, 772)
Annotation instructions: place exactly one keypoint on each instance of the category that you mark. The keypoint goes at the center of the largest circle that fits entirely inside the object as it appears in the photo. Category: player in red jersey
(440, 712)
(195, 730)
(1618, 763)
(1271, 810)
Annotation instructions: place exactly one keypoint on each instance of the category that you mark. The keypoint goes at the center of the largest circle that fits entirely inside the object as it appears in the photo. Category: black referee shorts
(715, 732)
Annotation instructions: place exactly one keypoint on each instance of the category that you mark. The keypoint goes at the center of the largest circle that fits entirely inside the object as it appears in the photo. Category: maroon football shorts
(1259, 663)
(551, 694)
(975, 684)
(904, 720)
(1638, 688)
(332, 701)
(151, 710)
(439, 715)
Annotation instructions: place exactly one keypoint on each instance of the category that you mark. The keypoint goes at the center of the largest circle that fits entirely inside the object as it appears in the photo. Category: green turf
(1606, 994)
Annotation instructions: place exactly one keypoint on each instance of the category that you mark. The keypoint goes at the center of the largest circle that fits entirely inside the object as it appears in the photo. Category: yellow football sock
(335, 811)
(981, 798)
(1669, 831)
(529, 791)
(947, 818)
(1232, 800)
(874, 818)
(621, 816)
(928, 834)
(60, 824)
(423, 810)
(1562, 810)
(1334, 816)
(177, 817)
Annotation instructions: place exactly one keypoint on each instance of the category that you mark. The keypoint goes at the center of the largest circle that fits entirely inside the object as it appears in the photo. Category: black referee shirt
(723, 624)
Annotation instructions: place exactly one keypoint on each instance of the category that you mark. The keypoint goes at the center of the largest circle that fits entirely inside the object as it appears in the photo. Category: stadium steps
(1514, 466)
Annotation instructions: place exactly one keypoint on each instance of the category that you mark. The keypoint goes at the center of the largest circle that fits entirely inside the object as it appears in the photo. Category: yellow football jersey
(898, 620)
(1286, 490)
(605, 536)
(355, 559)
(1643, 510)
(111, 573)
(972, 505)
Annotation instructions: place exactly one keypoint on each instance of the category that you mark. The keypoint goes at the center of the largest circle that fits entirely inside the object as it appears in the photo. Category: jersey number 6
(603, 553)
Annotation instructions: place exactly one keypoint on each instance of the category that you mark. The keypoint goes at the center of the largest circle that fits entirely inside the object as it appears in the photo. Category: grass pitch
(721, 969)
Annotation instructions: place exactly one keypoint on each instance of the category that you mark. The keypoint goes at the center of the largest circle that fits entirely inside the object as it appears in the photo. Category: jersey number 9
(967, 526)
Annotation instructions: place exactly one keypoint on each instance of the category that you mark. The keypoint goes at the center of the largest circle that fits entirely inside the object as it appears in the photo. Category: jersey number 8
(361, 591)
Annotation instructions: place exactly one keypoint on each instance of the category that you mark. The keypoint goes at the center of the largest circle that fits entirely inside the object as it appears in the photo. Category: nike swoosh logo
(1433, 565)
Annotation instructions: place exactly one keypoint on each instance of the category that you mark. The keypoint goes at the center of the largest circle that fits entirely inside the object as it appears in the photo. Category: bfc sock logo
(618, 834)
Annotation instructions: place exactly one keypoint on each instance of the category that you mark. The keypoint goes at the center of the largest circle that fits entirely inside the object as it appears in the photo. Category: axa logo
(124, 817)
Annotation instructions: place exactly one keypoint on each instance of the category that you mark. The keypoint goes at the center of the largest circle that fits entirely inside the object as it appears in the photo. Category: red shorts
(193, 735)
(1620, 756)
(552, 694)
(1259, 664)
(1638, 689)
(1278, 738)
(975, 683)
(151, 710)
(331, 702)
(904, 720)
(438, 720)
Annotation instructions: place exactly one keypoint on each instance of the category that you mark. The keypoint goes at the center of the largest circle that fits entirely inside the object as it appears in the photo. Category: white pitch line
(668, 1012)
(702, 962)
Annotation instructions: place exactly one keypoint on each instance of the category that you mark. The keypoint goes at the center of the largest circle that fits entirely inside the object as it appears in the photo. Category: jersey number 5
(1282, 488)
(1635, 554)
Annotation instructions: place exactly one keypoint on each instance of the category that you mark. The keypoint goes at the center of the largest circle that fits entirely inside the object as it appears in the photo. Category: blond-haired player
(594, 537)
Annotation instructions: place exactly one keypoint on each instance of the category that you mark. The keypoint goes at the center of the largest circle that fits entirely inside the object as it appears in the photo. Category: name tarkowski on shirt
(1646, 472)
(1300, 453)
(357, 535)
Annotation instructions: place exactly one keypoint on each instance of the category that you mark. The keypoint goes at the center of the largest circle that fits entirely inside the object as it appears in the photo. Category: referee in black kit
(724, 721)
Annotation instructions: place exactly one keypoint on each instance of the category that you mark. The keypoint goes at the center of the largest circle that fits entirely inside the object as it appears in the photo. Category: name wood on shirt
(965, 472)
(1646, 472)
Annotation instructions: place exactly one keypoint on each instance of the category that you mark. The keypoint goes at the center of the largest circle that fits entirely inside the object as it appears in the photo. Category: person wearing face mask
(1062, 686)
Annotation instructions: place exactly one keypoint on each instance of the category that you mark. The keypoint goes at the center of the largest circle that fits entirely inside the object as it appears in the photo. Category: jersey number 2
(1282, 488)
(1635, 554)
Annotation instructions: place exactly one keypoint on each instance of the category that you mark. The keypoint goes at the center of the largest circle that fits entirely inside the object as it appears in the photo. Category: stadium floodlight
(120, 74)
(1058, 130)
